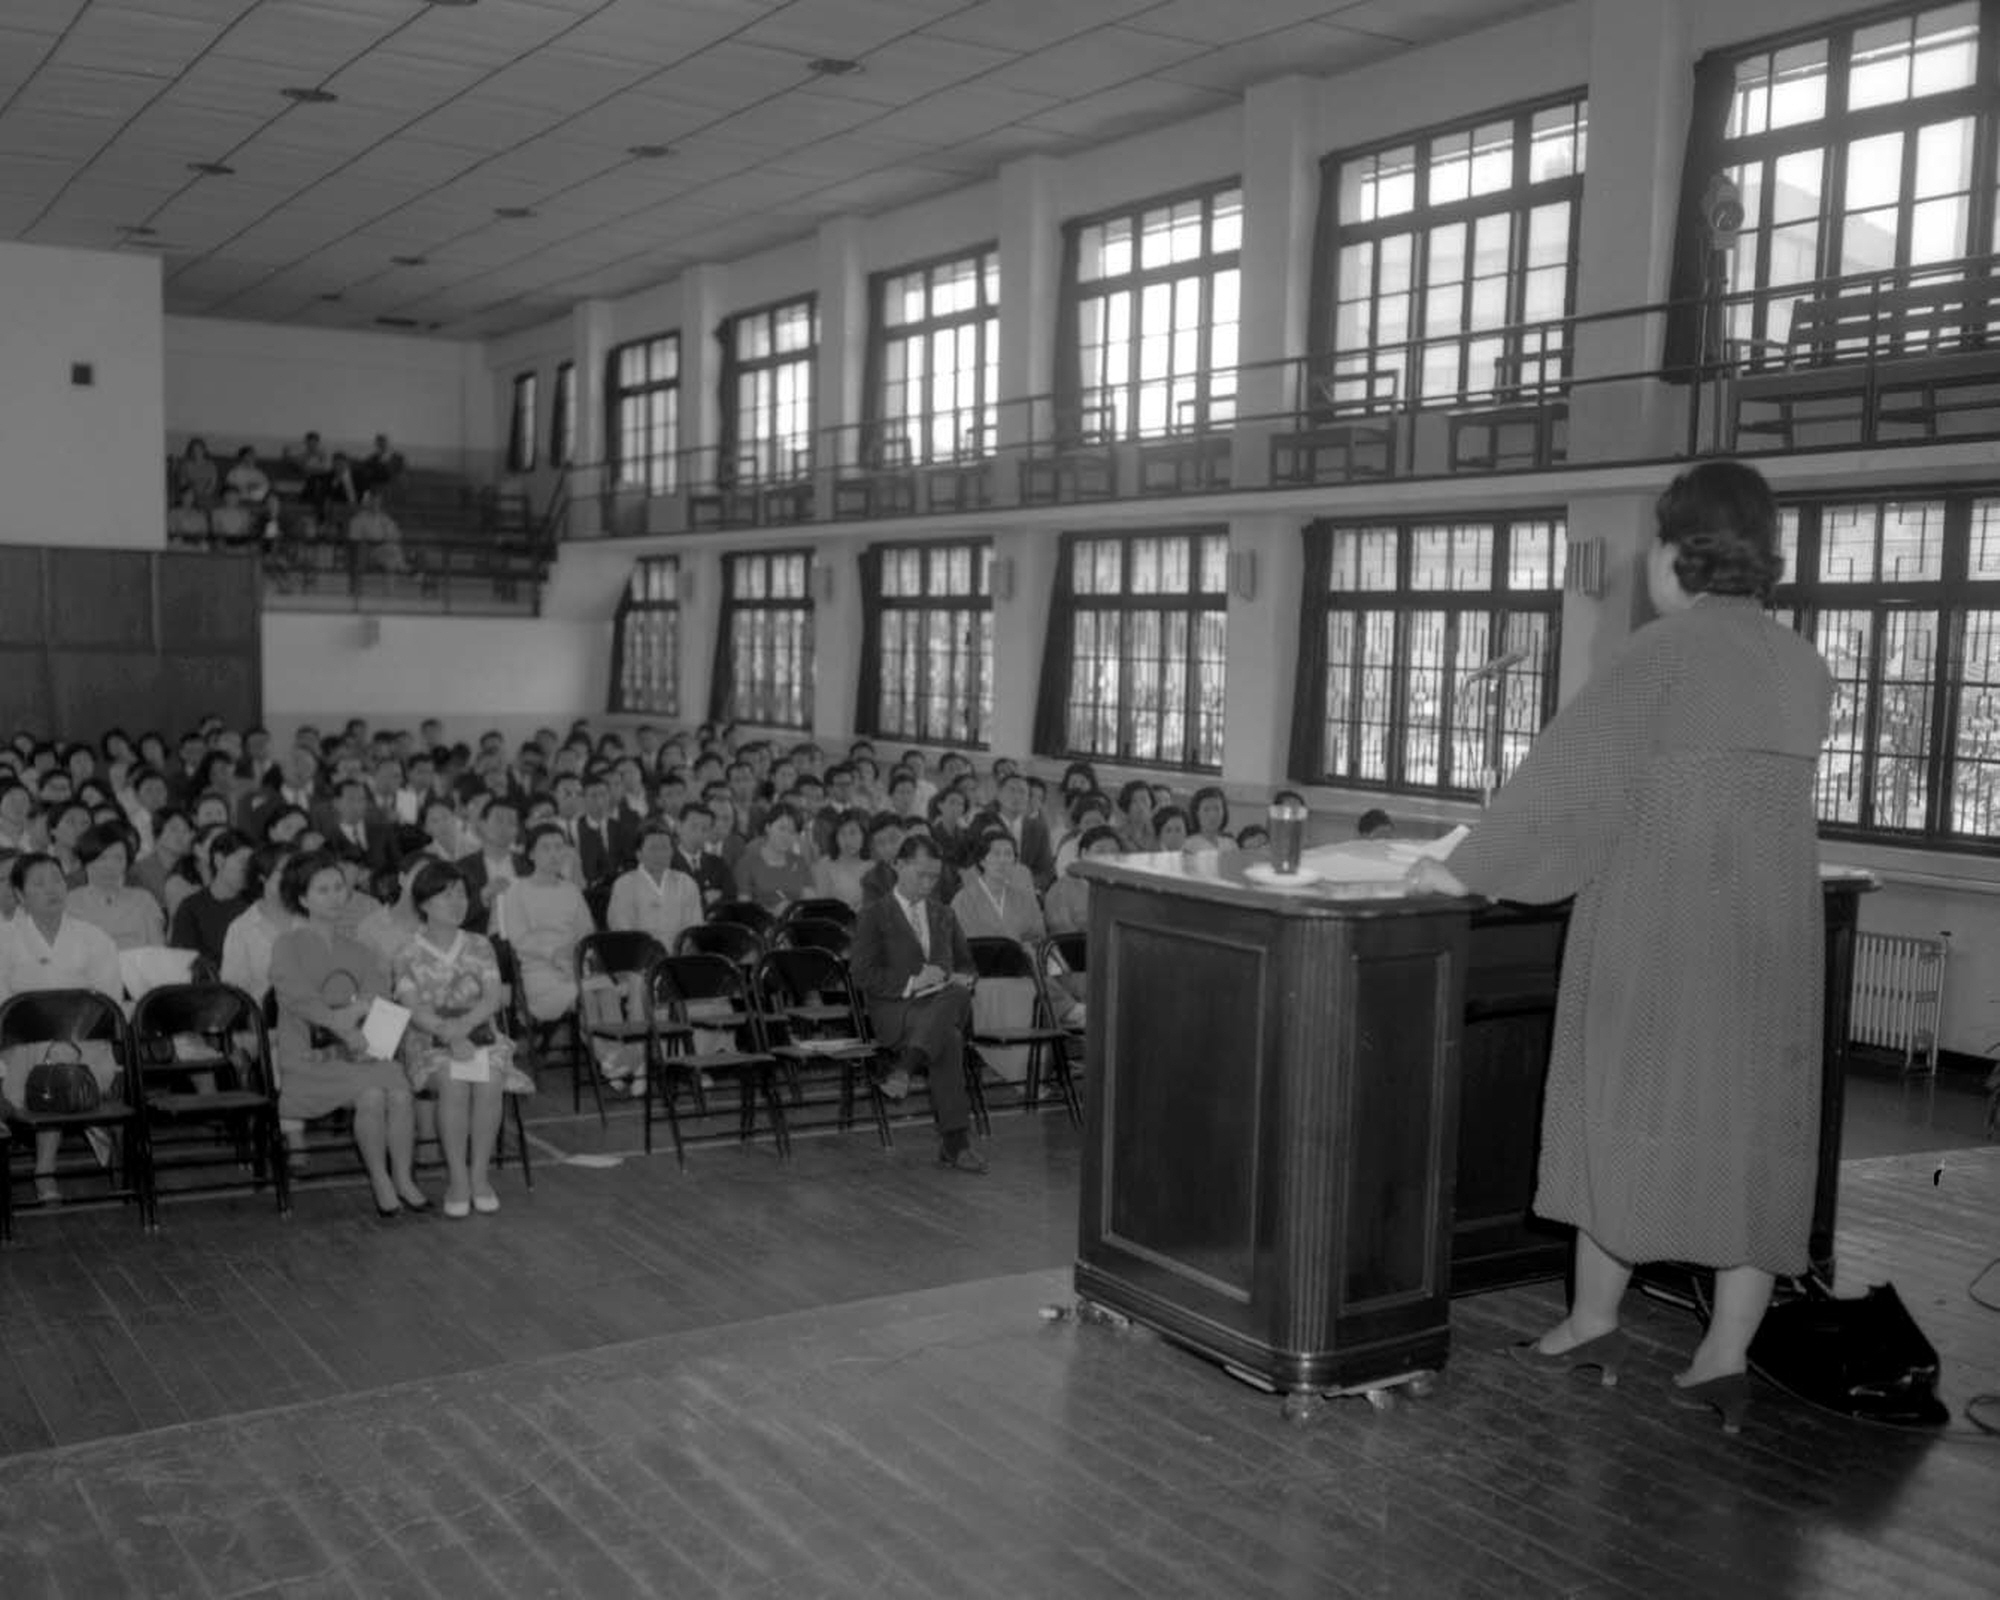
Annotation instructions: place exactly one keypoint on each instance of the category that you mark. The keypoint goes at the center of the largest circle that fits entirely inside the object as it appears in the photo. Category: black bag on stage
(1864, 1358)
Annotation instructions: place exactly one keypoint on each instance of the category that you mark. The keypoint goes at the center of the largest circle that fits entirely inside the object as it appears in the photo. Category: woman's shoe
(1728, 1394)
(1607, 1353)
(486, 1204)
(47, 1191)
(386, 1212)
(414, 1199)
(458, 1210)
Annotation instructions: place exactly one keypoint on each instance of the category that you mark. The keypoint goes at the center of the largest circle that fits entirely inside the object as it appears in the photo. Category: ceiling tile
(1210, 23)
(1023, 25)
(1094, 61)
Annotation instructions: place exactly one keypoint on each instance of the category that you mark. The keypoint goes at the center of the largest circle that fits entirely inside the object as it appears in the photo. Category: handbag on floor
(1864, 1358)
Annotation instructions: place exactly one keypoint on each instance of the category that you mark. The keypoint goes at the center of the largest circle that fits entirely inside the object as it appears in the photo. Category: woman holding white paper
(326, 982)
(450, 980)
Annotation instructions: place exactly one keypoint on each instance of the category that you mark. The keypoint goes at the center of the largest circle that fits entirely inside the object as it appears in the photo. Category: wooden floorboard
(832, 1378)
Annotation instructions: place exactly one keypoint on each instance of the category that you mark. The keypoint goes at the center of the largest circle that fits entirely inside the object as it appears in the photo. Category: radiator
(1898, 1000)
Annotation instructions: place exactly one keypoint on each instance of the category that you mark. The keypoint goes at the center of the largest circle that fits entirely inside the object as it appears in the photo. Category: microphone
(1498, 665)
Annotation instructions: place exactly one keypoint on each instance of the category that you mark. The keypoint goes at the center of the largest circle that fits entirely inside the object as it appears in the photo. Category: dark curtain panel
(1309, 694)
(722, 678)
(1068, 419)
(868, 686)
(1052, 703)
(725, 394)
(1714, 81)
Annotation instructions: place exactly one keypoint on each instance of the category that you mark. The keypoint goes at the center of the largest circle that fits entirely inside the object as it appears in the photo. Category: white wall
(238, 383)
(81, 465)
(398, 670)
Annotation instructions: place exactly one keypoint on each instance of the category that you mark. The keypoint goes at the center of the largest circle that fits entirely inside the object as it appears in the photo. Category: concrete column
(701, 617)
(1280, 203)
(591, 340)
(1641, 95)
(1030, 225)
(843, 353)
(836, 666)
(1595, 629)
(1267, 558)
(701, 370)
(1025, 560)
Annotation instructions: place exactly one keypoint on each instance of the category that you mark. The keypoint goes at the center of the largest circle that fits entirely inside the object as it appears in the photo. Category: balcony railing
(1885, 359)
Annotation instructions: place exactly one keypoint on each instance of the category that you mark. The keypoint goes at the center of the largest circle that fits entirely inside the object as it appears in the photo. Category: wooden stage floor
(834, 1380)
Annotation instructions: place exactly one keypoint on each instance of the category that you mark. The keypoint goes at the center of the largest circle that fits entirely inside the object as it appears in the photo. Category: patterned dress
(1674, 799)
(450, 983)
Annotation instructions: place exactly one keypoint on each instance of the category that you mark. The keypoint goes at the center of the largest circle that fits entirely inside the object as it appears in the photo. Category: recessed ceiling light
(408, 261)
(648, 152)
(137, 230)
(310, 97)
(212, 169)
(832, 66)
(513, 213)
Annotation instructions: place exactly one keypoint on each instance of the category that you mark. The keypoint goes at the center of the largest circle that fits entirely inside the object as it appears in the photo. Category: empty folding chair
(712, 994)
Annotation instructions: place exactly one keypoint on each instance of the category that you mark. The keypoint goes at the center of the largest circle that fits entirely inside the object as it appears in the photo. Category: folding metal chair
(713, 993)
(816, 1019)
(1043, 1038)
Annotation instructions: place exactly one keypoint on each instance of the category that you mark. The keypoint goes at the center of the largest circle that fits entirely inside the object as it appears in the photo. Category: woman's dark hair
(1167, 814)
(779, 810)
(1088, 800)
(1126, 795)
(269, 858)
(433, 879)
(1722, 521)
(221, 845)
(283, 814)
(853, 817)
(1093, 837)
(1078, 776)
(982, 847)
(26, 863)
(94, 841)
(1208, 792)
(880, 823)
(298, 876)
(539, 832)
(1253, 830)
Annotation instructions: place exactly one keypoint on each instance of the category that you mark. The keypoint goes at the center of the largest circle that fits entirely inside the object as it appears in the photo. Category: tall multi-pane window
(1902, 597)
(643, 408)
(1151, 317)
(936, 360)
(1399, 620)
(1138, 649)
(521, 428)
(562, 417)
(930, 628)
(1864, 152)
(1450, 261)
(767, 392)
(765, 659)
(646, 640)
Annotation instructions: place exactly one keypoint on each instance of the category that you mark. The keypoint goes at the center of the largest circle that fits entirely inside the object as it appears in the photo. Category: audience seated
(197, 479)
(655, 897)
(201, 921)
(131, 917)
(542, 916)
(838, 873)
(697, 853)
(1376, 823)
(774, 871)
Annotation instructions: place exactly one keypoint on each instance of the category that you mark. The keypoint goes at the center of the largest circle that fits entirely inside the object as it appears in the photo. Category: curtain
(868, 685)
(1052, 703)
(722, 676)
(1309, 694)
(1714, 83)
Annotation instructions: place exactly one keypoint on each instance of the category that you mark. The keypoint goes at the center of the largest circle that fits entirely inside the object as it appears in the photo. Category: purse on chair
(61, 1086)
(318, 1036)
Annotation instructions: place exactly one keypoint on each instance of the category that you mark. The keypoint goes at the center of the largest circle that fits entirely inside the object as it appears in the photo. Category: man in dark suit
(912, 964)
(606, 844)
(494, 865)
(692, 856)
(1032, 846)
(354, 826)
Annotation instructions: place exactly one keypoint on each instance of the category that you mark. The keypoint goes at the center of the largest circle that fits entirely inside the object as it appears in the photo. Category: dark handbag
(62, 1086)
(324, 1038)
(1864, 1358)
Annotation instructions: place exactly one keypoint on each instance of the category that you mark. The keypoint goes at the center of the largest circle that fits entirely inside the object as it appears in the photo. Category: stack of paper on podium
(1376, 860)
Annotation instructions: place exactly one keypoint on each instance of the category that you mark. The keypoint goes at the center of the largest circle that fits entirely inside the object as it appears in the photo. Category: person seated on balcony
(105, 900)
(187, 520)
(44, 947)
(196, 473)
(373, 533)
(202, 919)
(838, 873)
(655, 897)
(380, 469)
(249, 480)
(773, 871)
(1088, 809)
(1210, 807)
(1376, 823)
(233, 521)
(1066, 907)
(310, 461)
(543, 916)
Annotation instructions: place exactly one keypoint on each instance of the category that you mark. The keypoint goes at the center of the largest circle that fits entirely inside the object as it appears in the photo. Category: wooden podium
(1273, 1115)
(1274, 1171)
